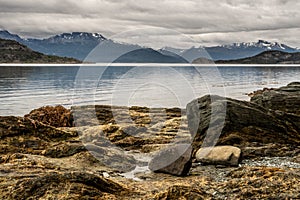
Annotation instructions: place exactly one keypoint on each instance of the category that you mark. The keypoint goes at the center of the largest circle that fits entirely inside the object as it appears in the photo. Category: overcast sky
(197, 22)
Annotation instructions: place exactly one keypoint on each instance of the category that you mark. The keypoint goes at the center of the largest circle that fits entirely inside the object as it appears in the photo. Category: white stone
(219, 155)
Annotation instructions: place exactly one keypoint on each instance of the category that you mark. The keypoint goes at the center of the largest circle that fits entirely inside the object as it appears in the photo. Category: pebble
(280, 162)
(106, 175)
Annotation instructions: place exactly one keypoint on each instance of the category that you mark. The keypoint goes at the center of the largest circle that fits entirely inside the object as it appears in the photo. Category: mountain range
(94, 47)
(232, 51)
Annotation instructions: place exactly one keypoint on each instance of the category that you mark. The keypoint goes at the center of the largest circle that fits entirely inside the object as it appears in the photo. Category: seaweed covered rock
(56, 116)
(68, 185)
(24, 135)
(261, 183)
(182, 192)
(63, 149)
(20, 126)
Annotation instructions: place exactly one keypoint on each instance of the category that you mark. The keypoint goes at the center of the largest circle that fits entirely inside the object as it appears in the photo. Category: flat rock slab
(219, 155)
(175, 160)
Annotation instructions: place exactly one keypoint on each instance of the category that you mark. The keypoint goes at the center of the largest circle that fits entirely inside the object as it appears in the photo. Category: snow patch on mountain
(260, 44)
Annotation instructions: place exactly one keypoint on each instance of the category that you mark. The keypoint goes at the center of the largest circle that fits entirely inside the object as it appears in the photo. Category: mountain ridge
(12, 51)
(231, 51)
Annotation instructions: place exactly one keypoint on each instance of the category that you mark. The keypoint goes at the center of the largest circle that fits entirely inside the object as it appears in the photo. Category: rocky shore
(113, 152)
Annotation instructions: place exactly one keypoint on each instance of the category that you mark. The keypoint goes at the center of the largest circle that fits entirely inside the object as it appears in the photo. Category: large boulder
(215, 120)
(175, 160)
(219, 155)
(286, 99)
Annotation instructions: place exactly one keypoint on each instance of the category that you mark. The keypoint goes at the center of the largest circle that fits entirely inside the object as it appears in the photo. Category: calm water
(25, 88)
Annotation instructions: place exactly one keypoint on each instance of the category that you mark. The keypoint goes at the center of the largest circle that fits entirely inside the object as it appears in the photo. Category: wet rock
(285, 99)
(217, 120)
(63, 150)
(56, 116)
(219, 155)
(175, 160)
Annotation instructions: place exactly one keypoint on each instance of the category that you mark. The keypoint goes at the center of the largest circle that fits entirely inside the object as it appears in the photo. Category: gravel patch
(280, 162)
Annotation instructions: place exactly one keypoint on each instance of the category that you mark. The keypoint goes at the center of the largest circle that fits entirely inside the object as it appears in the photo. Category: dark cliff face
(14, 52)
(268, 57)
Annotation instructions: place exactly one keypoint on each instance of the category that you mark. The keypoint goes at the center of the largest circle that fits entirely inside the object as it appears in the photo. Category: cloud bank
(206, 22)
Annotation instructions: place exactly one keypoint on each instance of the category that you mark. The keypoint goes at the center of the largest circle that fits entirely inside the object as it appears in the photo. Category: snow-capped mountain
(80, 37)
(231, 51)
(76, 45)
(243, 50)
(261, 44)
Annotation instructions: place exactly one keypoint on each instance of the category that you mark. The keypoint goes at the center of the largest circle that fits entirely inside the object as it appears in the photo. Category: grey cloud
(38, 6)
(217, 21)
